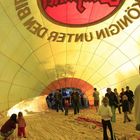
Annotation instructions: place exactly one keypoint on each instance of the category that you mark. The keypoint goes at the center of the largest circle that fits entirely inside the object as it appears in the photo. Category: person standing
(58, 100)
(130, 95)
(75, 101)
(137, 107)
(118, 98)
(106, 114)
(66, 105)
(125, 108)
(121, 95)
(96, 99)
(21, 125)
(113, 103)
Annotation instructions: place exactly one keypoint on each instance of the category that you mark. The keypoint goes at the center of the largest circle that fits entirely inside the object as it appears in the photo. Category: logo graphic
(78, 13)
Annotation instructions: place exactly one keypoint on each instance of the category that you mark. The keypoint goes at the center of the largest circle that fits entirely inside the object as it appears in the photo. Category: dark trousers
(126, 117)
(76, 107)
(66, 111)
(119, 109)
(131, 104)
(59, 106)
(105, 125)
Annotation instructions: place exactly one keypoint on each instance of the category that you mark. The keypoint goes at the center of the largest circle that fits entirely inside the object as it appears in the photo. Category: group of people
(110, 102)
(10, 125)
(76, 100)
(117, 100)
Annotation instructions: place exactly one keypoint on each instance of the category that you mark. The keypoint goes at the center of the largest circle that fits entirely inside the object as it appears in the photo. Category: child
(66, 105)
(21, 125)
(106, 114)
(125, 108)
(8, 128)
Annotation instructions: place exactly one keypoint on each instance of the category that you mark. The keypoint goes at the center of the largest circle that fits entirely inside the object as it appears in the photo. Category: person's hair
(20, 114)
(95, 89)
(124, 97)
(115, 89)
(13, 117)
(108, 89)
(105, 100)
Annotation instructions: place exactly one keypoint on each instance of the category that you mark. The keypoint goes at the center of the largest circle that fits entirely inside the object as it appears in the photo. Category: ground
(54, 125)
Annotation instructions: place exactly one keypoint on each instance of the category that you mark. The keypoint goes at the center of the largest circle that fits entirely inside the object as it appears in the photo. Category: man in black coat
(130, 96)
(113, 102)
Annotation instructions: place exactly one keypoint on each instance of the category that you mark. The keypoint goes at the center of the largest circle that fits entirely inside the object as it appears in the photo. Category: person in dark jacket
(125, 108)
(8, 128)
(75, 101)
(113, 103)
(58, 100)
(121, 95)
(130, 95)
(118, 98)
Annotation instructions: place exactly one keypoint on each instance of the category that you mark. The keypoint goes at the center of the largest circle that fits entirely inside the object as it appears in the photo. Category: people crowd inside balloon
(76, 100)
(63, 100)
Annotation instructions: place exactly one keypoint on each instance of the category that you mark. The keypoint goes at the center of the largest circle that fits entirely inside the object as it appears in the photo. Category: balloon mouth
(67, 14)
(29, 106)
(76, 83)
